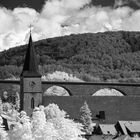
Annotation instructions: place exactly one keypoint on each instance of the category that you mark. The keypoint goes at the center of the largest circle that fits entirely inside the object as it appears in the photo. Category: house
(131, 128)
(106, 129)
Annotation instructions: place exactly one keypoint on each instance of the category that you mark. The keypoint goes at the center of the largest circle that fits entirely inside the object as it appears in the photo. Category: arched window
(108, 92)
(56, 91)
(32, 103)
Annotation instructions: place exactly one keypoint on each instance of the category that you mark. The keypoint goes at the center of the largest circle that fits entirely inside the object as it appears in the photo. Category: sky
(64, 17)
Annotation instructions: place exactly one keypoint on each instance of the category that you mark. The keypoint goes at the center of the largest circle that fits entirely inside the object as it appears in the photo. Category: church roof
(30, 67)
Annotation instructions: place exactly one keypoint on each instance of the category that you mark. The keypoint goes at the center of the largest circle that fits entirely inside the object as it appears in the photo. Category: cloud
(137, 2)
(63, 17)
(119, 3)
(14, 26)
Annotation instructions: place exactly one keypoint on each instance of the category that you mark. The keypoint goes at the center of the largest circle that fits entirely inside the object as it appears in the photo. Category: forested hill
(109, 56)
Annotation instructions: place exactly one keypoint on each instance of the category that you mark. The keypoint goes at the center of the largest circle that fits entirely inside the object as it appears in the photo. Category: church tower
(30, 81)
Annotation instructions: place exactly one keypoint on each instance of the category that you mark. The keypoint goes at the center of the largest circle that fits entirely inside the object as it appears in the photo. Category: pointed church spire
(30, 67)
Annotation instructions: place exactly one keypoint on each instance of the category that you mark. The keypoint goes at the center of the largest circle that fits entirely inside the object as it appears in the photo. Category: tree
(39, 123)
(22, 129)
(17, 101)
(53, 111)
(41, 127)
(66, 128)
(86, 118)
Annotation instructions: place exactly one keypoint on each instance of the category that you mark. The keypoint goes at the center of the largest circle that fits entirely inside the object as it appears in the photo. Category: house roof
(133, 128)
(131, 125)
(30, 68)
(108, 129)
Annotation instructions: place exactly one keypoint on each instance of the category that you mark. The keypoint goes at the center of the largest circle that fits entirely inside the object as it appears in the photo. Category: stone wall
(116, 108)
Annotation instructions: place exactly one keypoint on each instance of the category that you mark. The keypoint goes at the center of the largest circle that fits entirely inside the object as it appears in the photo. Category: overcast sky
(37, 4)
(63, 17)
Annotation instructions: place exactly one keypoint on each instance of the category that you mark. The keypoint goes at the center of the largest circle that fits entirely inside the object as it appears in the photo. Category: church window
(32, 103)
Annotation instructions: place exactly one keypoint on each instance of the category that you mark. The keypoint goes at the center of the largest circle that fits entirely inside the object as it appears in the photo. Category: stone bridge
(115, 108)
(80, 88)
(88, 89)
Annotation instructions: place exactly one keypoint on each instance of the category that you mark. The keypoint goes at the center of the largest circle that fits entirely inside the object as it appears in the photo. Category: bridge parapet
(89, 88)
(81, 88)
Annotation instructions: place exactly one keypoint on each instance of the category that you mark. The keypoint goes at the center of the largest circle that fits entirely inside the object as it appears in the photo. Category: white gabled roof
(133, 126)
(108, 129)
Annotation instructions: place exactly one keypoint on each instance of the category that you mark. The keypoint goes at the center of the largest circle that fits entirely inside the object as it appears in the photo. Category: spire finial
(30, 67)
(30, 34)
(30, 28)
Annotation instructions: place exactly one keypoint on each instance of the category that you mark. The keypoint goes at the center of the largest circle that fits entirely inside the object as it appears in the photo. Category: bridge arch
(56, 90)
(109, 92)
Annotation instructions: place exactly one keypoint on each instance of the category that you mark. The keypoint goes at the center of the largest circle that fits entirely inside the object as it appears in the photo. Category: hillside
(109, 56)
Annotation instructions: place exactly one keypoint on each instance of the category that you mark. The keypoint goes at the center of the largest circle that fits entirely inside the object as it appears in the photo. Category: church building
(30, 81)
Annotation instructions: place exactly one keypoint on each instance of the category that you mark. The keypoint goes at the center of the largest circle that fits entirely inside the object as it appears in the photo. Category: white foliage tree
(22, 129)
(38, 123)
(49, 123)
(61, 76)
(53, 111)
(66, 128)
(17, 101)
(86, 118)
